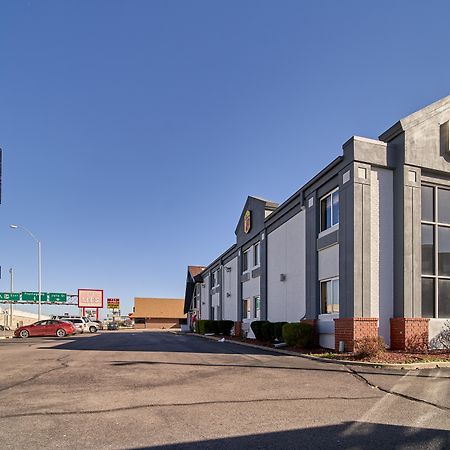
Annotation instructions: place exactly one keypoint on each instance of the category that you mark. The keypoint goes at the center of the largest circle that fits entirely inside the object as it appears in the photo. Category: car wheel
(60, 332)
(93, 329)
(24, 334)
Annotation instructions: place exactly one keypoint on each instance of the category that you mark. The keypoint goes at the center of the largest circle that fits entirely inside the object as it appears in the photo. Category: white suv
(82, 324)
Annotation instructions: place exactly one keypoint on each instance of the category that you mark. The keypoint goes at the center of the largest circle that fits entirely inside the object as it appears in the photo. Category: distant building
(158, 313)
(361, 250)
(19, 318)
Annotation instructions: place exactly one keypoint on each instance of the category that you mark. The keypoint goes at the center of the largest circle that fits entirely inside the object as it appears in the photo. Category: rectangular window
(245, 261)
(427, 297)
(247, 309)
(257, 303)
(427, 249)
(214, 279)
(444, 299)
(435, 252)
(256, 255)
(329, 296)
(444, 251)
(329, 210)
(444, 206)
(427, 203)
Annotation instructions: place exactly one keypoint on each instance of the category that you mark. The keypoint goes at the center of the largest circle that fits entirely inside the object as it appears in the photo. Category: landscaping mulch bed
(393, 357)
(387, 357)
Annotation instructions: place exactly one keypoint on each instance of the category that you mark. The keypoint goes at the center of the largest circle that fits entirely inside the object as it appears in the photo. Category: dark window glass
(323, 297)
(256, 255)
(139, 320)
(428, 203)
(335, 207)
(444, 205)
(244, 261)
(427, 297)
(444, 251)
(427, 250)
(444, 299)
(325, 213)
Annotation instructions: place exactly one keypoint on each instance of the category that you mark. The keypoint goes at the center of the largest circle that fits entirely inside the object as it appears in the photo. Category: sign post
(90, 298)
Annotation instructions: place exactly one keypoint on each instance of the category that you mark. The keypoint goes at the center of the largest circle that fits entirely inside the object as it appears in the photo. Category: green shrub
(225, 326)
(298, 334)
(256, 327)
(207, 326)
(267, 332)
(278, 330)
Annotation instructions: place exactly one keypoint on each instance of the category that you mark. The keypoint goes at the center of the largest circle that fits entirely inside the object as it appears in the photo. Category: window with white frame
(329, 296)
(247, 309)
(257, 306)
(256, 254)
(245, 257)
(196, 302)
(435, 252)
(215, 278)
(329, 210)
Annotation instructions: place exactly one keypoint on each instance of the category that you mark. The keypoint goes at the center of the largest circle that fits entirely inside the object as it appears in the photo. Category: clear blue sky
(121, 122)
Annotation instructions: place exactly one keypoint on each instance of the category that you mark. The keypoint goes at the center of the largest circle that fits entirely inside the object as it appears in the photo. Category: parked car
(113, 325)
(82, 324)
(99, 324)
(46, 328)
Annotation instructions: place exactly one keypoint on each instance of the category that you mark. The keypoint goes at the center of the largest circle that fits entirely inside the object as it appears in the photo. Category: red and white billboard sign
(90, 298)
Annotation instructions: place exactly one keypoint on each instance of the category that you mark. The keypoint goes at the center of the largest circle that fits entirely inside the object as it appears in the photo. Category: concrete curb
(345, 362)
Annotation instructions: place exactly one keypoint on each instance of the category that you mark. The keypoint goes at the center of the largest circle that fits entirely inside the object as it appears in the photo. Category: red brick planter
(351, 329)
(409, 333)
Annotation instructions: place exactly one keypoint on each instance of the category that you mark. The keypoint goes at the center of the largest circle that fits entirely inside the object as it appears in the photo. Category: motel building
(362, 249)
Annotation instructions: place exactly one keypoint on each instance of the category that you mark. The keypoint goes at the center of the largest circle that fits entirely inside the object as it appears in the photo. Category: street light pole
(38, 242)
(11, 289)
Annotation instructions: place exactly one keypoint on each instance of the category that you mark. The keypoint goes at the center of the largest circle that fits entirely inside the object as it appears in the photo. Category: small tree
(442, 340)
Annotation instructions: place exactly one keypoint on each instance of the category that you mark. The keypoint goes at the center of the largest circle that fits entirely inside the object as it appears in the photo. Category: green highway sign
(10, 296)
(57, 297)
(34, 296)
(31, 297)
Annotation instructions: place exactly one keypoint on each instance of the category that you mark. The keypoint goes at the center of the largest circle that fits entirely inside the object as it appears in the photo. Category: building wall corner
(313, 323)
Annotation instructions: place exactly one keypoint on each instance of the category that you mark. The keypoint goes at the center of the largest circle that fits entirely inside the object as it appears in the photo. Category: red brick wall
(237, 328)
(409, 333)
(351, 329)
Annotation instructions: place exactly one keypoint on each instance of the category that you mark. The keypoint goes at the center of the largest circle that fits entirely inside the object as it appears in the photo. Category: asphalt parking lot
(126, 390)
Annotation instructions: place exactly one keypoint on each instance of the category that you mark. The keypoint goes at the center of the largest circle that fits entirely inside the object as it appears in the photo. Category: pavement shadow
(354, 435)
(155, 342)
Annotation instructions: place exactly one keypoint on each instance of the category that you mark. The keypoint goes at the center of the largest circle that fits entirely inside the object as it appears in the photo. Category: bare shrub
(417, 343)
(368, 347)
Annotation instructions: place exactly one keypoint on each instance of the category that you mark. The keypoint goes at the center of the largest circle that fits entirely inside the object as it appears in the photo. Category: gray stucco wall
(287, 256)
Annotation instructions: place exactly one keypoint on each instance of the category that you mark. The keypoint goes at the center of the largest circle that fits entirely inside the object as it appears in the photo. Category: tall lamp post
(38, 242)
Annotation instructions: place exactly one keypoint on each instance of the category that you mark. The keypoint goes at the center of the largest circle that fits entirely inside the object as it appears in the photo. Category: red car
(46, 328)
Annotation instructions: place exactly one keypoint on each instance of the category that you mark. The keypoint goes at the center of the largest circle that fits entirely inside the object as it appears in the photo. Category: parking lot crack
(193, 404)
(359, 377)
(63, 364)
